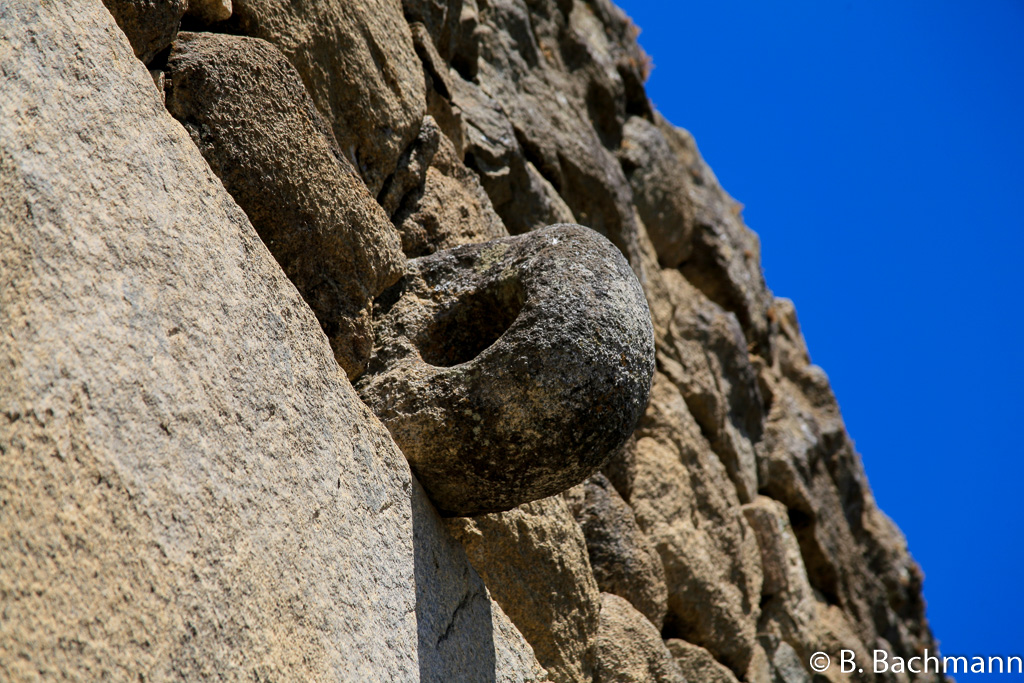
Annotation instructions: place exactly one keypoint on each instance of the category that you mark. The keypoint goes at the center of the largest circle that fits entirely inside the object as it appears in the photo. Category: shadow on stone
(454, 616)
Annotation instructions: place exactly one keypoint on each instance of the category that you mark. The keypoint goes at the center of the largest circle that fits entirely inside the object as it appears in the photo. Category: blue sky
(879, 150)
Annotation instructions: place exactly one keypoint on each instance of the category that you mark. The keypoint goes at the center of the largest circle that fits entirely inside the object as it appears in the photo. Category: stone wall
(205, 208)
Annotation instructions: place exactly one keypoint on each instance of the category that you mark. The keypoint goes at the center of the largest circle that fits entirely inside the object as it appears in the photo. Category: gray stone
(358, 62)
(534, 561)
(622, 558)
(659, 187)
(247, 111)
(191, 488)
(509, 371)
(150, 25)
(787, 667)
(630, 649)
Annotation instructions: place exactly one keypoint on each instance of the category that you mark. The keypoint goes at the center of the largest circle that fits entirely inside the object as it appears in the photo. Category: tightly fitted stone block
(630, 649)
(659, 185)
(697, 664)
(523, 198)
(209, 11)
(442, 205)
(534, 561)
(509, 371)
(190, 488)
(358, 62)
(624, 561)
(248, 112)
(150, 25)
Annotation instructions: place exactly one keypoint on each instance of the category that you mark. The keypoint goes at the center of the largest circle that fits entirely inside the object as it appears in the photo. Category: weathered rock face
(624, 561)
(510, 370)
(190, 488)
(209, 11)
(149, 25)
(657, 178)
(630, 649)
(283, 167)
(358, 63)
(697, 664)
(441, 203)
(534, 560)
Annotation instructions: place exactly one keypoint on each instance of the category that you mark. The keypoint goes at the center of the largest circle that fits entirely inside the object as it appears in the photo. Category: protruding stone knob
(508, 371)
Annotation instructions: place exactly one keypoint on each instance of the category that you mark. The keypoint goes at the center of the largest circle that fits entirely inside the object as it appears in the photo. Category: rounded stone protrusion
(509, 371)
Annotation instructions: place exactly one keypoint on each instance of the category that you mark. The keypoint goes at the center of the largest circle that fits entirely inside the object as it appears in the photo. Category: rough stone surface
(658, 180)
(534, 560)
(190, 489)
(704, 353)
(283, 167)
(622, 558)
(557, 70)
(523, 198)
(150, 25)
(630, 649)
(439, 86)
(725, 261)
(358, 62)
(441, 19)
(509, 371)
(209, 11)
(447, 207)
(711, 558)
(462, 634)
(697, 664)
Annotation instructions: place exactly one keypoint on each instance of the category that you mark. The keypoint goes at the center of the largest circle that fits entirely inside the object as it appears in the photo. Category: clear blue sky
(879, 150)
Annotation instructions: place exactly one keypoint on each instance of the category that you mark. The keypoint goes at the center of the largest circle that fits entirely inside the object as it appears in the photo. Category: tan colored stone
(622, 557)
(534, 561)
(523, 197)
(462, 634)
(711, 560)
(249, 114)
(629, 647)
(150, 25)
(697, 664)
(704, 353)
(191, 489)
(357, 61)
(658, 180)
(725, 261)
(566, 104)
(449, 208)
(439, 85)
(209, 11)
